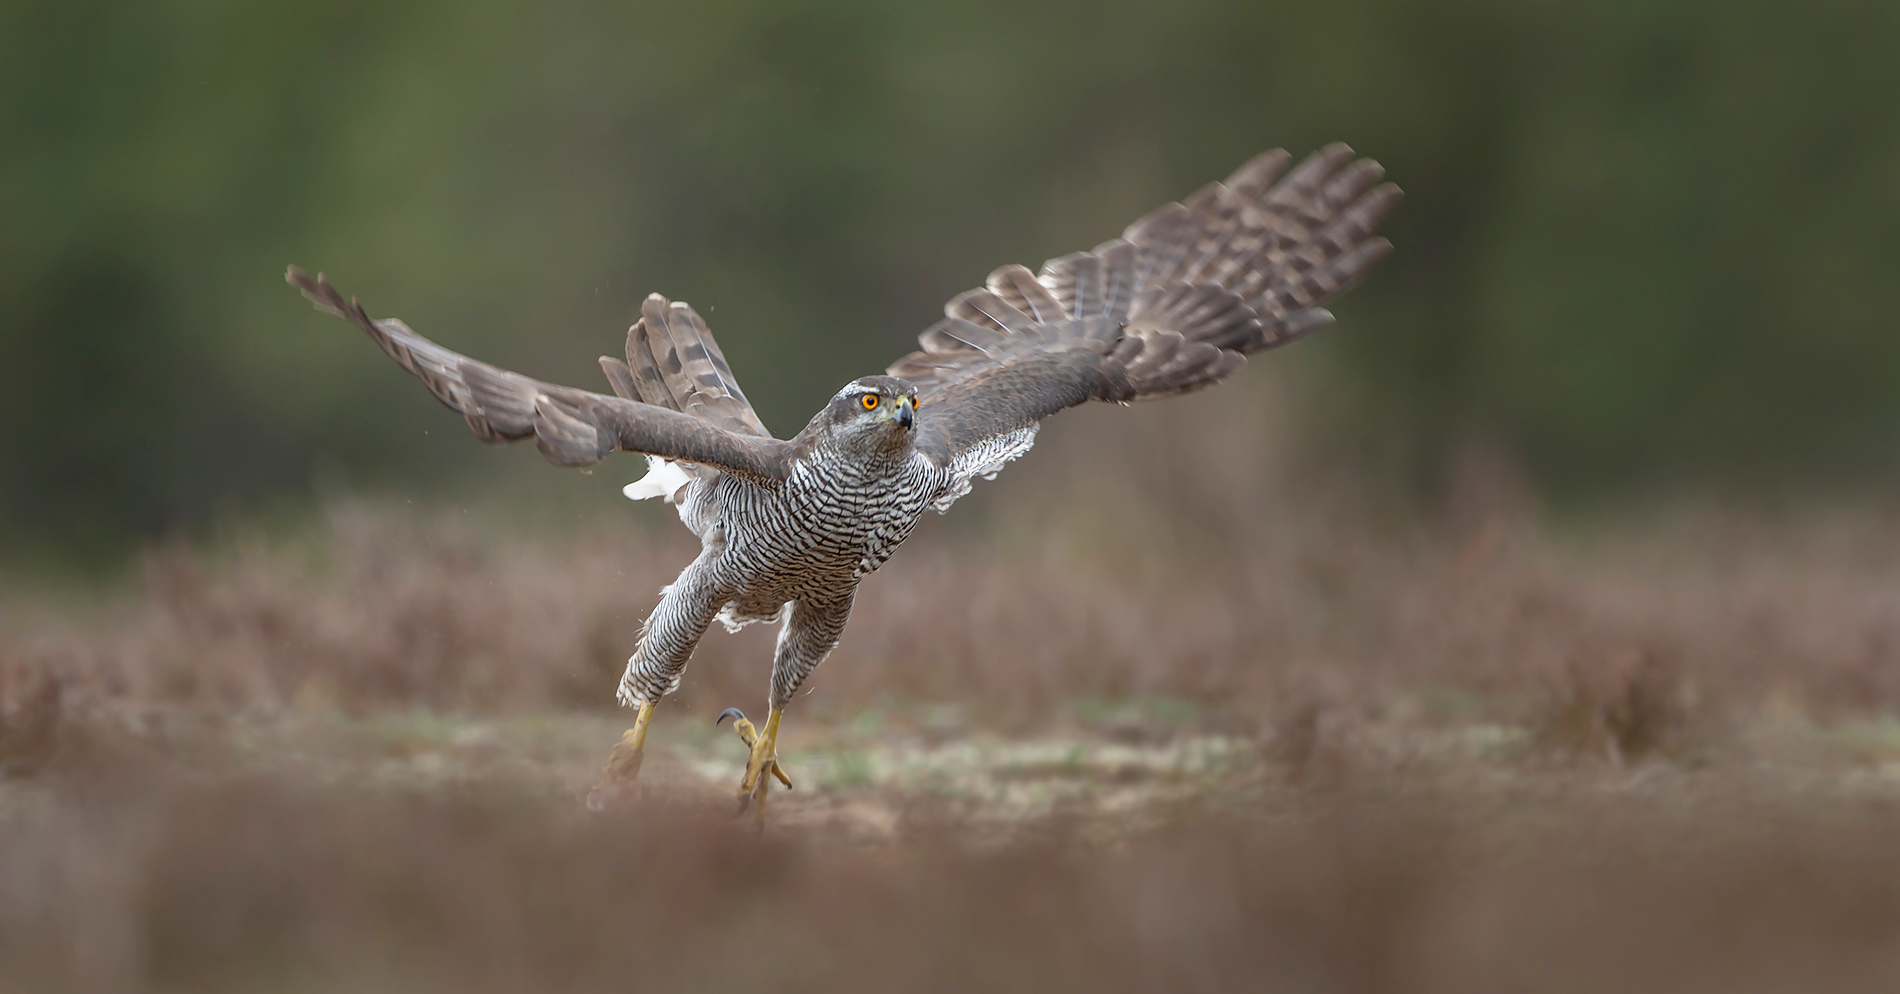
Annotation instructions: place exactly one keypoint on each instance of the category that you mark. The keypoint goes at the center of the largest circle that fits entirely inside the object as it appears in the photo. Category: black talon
(729, 713)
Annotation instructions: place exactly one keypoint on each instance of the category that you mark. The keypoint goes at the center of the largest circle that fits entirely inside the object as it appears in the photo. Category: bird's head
(876, 412)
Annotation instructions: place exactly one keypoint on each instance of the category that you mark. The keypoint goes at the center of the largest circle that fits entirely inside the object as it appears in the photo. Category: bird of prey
(790, 527)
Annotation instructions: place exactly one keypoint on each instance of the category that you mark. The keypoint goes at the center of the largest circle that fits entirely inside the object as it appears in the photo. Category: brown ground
(1104, 732)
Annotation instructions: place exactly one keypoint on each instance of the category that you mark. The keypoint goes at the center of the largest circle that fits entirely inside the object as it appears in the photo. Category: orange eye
(869, 402)
(916, 402)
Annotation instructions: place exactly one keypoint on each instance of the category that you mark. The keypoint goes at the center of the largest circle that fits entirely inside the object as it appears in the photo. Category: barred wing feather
(703, 421)
(1175, 304)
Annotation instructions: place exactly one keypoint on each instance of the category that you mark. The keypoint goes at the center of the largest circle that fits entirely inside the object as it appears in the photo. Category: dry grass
(1214, 720)
(1256, 597)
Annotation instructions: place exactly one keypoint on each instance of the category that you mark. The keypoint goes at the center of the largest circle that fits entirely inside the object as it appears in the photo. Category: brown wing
(1027, 375)
(1174, 305)
(673, 362)
(577, 427)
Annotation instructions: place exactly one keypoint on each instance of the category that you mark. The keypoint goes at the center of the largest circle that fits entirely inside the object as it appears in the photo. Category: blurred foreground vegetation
(1644, 243)
(367, 758)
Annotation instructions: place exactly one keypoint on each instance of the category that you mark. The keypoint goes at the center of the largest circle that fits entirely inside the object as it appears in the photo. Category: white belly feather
(664, 478)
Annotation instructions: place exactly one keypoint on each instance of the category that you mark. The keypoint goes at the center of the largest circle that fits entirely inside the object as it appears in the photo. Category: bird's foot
(762, 765)
(624, 762)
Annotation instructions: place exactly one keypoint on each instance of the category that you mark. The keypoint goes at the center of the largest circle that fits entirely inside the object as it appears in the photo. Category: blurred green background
(1645, 244)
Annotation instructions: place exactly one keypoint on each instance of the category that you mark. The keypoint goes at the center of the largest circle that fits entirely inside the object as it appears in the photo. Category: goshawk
(789, 527)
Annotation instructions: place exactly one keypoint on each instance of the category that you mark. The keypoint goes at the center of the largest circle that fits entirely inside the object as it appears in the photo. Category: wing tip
(318, 290)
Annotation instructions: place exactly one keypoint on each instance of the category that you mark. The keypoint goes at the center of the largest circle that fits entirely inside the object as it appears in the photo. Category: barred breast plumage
(843, 506)
(836, 519)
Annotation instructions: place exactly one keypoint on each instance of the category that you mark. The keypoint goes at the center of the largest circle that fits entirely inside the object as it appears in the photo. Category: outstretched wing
(696, 414)
(1174, 305)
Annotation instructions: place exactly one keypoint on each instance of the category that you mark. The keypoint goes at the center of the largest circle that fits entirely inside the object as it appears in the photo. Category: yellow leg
(631, 750)
(763, 760)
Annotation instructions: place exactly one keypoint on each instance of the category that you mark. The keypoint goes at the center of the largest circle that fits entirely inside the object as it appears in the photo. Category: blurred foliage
(1643, 241)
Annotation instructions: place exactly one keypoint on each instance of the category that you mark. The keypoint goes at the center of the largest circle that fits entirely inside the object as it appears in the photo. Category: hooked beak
(902, 410)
